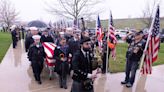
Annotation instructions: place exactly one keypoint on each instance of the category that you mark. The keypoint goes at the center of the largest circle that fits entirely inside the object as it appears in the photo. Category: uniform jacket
(13, 33)
(46, 39)
(36, 54)
(73, 46)
(81, 66)
(28, 42)
(61, 66)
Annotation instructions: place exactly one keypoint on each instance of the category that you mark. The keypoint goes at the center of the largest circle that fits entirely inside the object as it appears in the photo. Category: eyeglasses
(87, 43)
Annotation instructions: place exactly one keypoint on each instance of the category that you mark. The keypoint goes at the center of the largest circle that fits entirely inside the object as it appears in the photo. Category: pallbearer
(36, 55)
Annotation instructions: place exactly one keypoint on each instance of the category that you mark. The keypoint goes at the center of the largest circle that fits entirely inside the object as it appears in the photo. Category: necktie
(88, 61)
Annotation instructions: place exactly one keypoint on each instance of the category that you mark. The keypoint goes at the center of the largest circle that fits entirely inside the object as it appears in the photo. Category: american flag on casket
(49, 50)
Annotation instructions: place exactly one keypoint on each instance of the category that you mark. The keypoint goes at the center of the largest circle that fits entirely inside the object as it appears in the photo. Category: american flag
(49, 50)
(112, 35)
(99, 31)
(153, 46)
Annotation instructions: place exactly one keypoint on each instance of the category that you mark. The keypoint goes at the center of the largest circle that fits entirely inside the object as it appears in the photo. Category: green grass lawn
(119, 64)
(5, 41)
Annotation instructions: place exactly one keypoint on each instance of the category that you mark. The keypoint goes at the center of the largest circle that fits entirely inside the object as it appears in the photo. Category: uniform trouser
(63, 74)
(77, 87)
(14, 43)
(131, 68)
(37, 69)
(104, 62)
(63, 81)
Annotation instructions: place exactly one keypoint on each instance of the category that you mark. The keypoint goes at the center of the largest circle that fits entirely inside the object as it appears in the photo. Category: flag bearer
(134, 53)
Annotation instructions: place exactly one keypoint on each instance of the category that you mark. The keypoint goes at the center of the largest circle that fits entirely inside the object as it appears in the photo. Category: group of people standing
(17, 34)
(74, 54)
(71, 54)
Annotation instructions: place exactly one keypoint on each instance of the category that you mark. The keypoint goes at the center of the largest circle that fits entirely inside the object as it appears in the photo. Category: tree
(73, 9)
(148, 12)
(8, 13)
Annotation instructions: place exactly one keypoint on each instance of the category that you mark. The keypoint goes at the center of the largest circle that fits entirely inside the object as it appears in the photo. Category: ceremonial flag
(112, 36)
(153, 44)
(99, 31)
(49, 50)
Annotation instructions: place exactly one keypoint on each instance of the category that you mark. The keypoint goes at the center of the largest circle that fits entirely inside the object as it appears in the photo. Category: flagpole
(147, 42)
(107, 58)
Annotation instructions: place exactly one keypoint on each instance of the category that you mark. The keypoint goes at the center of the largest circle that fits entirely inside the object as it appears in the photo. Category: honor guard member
(74, 46)
(63, 63)
(134, 53)
(111, 45)
(46, 37)
(36, 55)
(14, 36)
(82, 68)
(29, 40)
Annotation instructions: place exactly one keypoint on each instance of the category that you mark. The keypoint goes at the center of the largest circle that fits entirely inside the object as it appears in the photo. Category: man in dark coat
(23, 31)
(62, 61)
(29, 40)
(82, 68)
(46, 37)
(14, 36)
(36, 55)
(74, 44)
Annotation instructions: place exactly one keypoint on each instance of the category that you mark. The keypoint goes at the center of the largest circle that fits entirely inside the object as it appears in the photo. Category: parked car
(91, 32)
(120, 33)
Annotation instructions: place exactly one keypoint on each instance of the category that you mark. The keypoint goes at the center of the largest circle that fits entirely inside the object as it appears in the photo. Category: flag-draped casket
(49, 50)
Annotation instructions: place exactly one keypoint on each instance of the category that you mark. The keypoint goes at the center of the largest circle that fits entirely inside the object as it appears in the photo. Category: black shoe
(124, 82)
(129, 85)
(39, 82)
(65, 87)
(61, 86)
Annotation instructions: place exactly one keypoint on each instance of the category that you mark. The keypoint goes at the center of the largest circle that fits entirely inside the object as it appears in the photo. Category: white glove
(92, 76)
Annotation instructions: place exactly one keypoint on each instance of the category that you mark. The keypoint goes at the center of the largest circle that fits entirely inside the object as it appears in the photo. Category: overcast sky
(35, 9)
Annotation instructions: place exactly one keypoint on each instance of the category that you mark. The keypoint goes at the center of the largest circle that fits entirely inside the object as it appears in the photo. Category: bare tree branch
(8, 14)
(73, 9)
(148, 12)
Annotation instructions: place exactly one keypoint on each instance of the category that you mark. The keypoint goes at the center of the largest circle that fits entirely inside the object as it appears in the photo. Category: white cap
(61, 33)
(13, 27)
(33, 28)
(36, 37)
(69, 28)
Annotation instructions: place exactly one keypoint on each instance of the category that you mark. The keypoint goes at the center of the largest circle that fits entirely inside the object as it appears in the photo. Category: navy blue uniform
(46, 39)
(36, 55)
(14, 38)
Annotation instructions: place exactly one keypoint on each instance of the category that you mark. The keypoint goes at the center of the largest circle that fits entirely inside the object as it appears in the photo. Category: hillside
(123, 23)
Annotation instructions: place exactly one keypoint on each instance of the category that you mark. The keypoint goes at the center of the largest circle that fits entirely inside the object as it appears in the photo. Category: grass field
(5, 41)
(119, 64)
(136, 23)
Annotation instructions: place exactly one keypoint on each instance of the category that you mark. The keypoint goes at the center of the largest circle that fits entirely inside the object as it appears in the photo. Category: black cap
(138, 33)
(85, 39)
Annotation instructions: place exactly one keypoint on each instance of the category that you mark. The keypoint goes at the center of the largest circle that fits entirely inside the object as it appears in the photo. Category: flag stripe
(112, 36)
(153, 47)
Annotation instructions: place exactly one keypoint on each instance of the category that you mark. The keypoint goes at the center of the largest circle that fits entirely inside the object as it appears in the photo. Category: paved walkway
(16, 76)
